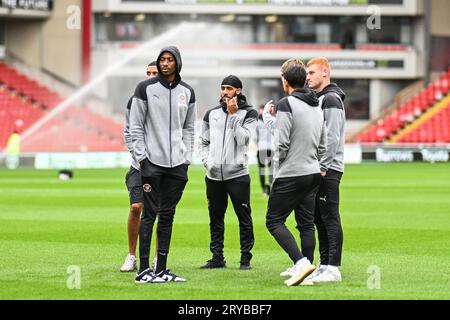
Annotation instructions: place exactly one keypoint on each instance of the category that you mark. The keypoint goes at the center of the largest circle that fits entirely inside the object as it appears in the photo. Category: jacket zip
(223, 145)
(170, 123)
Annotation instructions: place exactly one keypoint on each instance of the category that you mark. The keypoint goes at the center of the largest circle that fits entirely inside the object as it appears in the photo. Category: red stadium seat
(22, 103)
(408, 112)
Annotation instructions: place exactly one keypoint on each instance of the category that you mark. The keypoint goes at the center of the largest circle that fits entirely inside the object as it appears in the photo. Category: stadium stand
(77, 130)
(382, 47)
(432, 127)
(28, 88)
(23, 102)
(423, 118)
(288, 46)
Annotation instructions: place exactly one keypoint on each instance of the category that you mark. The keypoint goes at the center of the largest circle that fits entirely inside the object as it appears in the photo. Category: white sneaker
(302, 269)
(328, 275)
(309, 280)
(287, 272)
(168, 276)
(129, 265)
(306, 283)
(314, 274)
(147, 276)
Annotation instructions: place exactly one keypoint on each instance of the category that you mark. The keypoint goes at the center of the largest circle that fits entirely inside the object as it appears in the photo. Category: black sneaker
(245, 266)
(214, 264)
(147, 276)
(168, 276)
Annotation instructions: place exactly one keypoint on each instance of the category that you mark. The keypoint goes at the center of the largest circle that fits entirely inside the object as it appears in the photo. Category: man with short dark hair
(162, 126)
(134, 186)
(226, 134)
(152, 70)
(299, 144)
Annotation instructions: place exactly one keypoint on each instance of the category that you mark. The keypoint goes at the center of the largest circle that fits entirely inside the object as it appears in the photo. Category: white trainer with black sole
(170, 277)
(147, 276)
(129, 265)
(302, 269)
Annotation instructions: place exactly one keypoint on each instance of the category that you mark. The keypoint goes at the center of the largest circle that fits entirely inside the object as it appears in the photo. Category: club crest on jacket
(147, 188)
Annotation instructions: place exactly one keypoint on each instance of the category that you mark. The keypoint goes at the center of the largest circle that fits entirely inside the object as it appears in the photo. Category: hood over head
(176, 53)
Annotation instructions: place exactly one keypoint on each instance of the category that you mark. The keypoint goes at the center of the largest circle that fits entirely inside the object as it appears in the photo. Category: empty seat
(408, 112)
(23, 102)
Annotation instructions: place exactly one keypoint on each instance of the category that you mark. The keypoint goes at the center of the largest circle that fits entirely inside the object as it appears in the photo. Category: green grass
(396, 217)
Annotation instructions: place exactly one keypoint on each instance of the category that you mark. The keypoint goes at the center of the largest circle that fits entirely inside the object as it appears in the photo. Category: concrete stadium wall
(440, 22)
(48, 43)
(440, 35)
(23, 41)
(61, 45)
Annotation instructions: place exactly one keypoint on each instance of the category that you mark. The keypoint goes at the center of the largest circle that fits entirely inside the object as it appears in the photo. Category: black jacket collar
(306, 95)
(167, 84)
(332, 88)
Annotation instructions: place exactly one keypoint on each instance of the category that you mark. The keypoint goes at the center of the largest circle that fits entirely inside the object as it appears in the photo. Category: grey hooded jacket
(225, 139)
(332, 98)
(127, 135)
(264, 136)
(300, 135)
(162, 119)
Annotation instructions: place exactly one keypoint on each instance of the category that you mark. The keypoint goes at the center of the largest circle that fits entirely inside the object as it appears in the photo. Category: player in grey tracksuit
(327, 216)
(300, 142)
(328, 221)
(134, 186)
(226, 133)
(162, 124)
(265, 153)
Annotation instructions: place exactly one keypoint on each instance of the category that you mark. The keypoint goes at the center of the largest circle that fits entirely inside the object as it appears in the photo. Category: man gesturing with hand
(226, 134)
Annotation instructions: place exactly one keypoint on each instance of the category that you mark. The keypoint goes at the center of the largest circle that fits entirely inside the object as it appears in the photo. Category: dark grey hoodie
(300, 135)
(332, 101)
(162, 119)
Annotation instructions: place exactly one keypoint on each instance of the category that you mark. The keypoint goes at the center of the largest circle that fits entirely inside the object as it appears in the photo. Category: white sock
(323, 267)
(333, 269)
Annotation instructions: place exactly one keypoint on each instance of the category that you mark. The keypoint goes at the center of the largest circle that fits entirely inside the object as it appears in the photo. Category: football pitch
(396, 221)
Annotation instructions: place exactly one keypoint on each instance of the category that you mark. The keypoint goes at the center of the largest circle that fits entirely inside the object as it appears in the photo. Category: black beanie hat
(232, 81)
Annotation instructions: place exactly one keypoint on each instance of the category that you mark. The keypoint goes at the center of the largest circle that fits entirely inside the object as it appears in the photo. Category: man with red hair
(327, 217)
